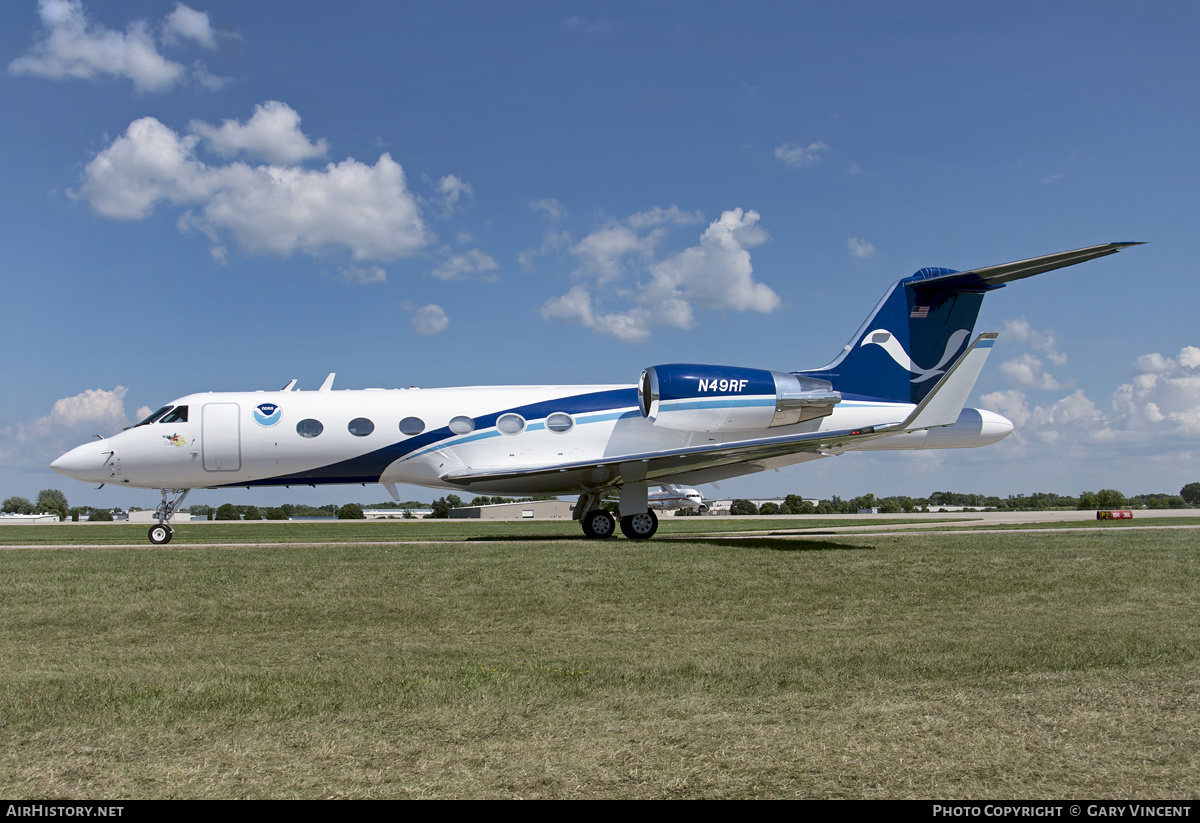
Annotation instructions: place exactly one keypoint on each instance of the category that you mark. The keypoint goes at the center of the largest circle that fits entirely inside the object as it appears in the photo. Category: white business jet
(670, 497)
(900, 383)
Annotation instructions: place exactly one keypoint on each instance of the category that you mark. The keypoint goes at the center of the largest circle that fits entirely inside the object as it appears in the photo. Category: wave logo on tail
(888, 342)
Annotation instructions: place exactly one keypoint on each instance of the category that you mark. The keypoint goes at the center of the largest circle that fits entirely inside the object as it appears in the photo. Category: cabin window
(462, 425)
(361, 427)
(412, 425)
(511, 424)
(155, 416)
(176, 415)
(560, 422)
(309, 428)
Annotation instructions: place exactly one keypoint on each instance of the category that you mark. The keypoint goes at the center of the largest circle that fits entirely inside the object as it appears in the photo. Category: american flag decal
(919, 311)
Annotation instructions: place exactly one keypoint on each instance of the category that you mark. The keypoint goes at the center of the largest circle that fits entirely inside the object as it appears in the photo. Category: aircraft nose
(84, 462)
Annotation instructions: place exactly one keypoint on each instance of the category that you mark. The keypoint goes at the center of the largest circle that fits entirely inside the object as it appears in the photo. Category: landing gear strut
(162, 532)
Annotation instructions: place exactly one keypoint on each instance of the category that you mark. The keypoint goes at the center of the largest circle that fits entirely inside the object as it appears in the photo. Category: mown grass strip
(349, 531)
(956, 665)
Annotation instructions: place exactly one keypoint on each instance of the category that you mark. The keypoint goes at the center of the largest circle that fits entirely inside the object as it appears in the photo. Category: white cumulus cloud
(1159, 407)
(363, 275)
(554, 209)
(797, 156)
(1046, 341)
(189, 24)
(98, 409)
(453, 191)
(860, 249)
(620, 262)
(272, 134)
(71, 421)
(429, 320)
(462, 266)
(1027, 370)
(272, 209)
(75, 46)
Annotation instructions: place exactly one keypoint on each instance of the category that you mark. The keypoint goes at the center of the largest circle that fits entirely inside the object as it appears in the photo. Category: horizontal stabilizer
(945, 402)
(992, 277)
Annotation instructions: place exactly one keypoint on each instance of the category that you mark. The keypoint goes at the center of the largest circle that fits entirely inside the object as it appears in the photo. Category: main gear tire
(598, 524)
(640, 526)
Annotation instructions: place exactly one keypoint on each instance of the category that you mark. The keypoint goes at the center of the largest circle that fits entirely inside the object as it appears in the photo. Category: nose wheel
(161, 534)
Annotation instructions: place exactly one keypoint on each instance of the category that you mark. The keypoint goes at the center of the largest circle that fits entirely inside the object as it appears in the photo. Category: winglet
(328, 384)
(945, 402)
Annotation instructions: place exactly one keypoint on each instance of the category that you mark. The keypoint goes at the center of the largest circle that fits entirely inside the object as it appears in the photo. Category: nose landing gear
(162, 533)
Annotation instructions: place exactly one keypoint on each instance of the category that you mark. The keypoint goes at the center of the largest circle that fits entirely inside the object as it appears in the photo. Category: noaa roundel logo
(267, 414)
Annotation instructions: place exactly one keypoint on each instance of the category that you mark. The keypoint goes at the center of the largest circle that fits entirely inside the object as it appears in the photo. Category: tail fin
(924, 322)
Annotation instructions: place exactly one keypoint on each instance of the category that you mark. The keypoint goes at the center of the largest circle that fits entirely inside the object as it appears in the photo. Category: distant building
(531, 510)
(395, 514)
(147, 516)
(27, 519)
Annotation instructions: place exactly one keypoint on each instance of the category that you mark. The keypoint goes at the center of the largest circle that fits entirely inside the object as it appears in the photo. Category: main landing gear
(599, 524)
(162, 532)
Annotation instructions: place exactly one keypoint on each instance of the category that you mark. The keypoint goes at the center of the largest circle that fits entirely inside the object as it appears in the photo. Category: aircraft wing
(940, 407)
(658, 464)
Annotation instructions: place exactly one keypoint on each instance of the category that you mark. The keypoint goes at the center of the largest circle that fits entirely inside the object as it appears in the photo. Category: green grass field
(350, 531)
(1018, 665)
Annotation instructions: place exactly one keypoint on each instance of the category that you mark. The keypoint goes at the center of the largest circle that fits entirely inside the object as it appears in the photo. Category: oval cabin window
(309, 428)
(361, 427)
(560, 422)
(462, 425)
(511, 424)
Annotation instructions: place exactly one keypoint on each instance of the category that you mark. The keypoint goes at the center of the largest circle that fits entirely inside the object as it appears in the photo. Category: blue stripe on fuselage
(367, 468)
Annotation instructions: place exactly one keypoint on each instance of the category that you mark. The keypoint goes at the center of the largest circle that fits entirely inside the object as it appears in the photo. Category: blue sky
(224, 196)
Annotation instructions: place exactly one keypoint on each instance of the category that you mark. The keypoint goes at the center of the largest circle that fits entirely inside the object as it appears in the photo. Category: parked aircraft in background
(900, 383)
(672, 498)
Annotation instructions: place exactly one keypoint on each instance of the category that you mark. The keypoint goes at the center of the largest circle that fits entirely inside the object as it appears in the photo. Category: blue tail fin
(924, 323)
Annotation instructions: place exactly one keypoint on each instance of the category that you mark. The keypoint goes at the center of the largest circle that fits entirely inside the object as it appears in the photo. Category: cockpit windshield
(177, 415)
(155, 416)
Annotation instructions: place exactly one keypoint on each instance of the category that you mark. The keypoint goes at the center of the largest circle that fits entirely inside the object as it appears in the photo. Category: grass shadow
(780, 544)
(777, 544)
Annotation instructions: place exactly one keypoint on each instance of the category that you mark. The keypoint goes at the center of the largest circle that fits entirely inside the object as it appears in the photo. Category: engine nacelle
(727, 398)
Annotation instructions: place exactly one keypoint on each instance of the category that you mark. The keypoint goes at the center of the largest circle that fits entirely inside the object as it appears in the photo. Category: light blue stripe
(718, 403)
(600, 418)
(483, 435)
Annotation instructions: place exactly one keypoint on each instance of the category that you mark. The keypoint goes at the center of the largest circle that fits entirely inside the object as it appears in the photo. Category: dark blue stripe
(367, 468)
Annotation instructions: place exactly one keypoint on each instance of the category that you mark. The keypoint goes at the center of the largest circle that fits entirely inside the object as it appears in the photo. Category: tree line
(53, 501)
(1188, 496)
